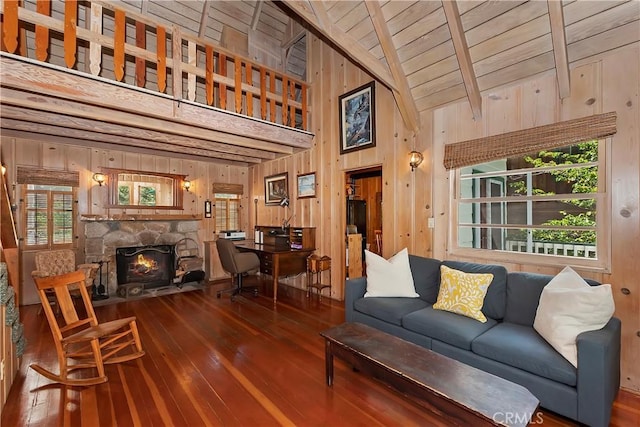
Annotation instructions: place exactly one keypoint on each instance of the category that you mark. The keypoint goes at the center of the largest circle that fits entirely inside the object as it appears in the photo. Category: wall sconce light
(186, 185)
(415, 158)
(4, 170)
(99, 178)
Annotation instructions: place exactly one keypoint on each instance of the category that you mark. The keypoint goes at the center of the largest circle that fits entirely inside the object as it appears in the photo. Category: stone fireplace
(103, 236)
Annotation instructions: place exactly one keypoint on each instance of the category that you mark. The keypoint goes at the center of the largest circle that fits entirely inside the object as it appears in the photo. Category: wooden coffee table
(459, 392)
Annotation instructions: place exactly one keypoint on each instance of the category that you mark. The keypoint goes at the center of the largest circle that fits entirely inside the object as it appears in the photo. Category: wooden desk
(277, 260)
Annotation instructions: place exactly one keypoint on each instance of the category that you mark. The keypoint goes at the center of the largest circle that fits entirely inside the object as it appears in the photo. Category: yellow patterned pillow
(462, 293)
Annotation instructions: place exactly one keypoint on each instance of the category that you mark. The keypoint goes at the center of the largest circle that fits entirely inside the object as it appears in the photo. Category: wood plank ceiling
(429, 53)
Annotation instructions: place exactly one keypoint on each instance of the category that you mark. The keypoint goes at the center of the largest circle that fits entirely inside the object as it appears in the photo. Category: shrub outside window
(549, 204)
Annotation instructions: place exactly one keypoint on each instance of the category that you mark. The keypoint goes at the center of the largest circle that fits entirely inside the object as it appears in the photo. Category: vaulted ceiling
(429, 53)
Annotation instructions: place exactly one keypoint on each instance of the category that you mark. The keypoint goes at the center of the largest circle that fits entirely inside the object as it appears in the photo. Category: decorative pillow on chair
(463, 293)
(569, 306)
(389, 278)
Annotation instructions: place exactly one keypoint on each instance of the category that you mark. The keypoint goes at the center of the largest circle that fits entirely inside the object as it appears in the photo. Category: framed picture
(307, 185)
(357, 119)
(276, 187)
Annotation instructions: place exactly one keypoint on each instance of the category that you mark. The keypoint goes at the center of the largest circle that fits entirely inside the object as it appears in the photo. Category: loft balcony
(94, 74)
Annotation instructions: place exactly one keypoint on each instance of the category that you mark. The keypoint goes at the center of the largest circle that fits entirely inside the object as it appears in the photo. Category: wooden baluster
(285, 99)
(95, 48)
(222, 70)
(209, 74)
(119, 35)
(43, 7)
(238, 83)
(248, 70)
(303, 101)
(70, 41)
(272, 103)
(161, 46)
(10, 25)
(191, 78)
(176, 54)
(263, 93)
(141, 63)
(292, 108)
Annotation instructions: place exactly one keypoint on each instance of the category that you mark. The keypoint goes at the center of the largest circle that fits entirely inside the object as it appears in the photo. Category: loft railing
(124, 46)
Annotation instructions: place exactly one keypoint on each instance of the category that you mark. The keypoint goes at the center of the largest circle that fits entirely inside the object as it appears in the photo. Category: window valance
(39, 176)
(530, 140)
(220, 187)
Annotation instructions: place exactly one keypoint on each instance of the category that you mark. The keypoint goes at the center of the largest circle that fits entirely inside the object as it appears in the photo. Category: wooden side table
(315, 266)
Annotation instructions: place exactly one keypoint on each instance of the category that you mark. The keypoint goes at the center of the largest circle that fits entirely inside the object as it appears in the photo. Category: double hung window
(49, 217)
(550, 204)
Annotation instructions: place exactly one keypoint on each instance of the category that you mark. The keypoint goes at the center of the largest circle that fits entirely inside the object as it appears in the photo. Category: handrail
(223, 79)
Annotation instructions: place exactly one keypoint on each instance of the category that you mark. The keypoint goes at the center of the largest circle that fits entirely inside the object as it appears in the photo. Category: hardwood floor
(215, 362)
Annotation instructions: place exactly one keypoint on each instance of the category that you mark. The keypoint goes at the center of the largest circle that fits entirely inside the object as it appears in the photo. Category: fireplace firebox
(151, 266)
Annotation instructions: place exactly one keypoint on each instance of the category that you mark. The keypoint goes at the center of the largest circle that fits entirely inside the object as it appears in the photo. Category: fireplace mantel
(140, 217)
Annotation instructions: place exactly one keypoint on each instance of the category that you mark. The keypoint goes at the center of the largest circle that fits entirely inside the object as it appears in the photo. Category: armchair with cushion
(61, 261)
(236, 263)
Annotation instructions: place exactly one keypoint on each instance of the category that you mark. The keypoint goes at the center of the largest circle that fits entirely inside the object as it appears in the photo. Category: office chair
(80, 340)
(236, 263)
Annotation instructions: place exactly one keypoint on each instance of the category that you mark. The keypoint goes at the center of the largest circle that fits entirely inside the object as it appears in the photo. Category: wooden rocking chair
(82, 342)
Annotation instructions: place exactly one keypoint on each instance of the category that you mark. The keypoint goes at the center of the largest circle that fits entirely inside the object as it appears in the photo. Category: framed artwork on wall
(357, 119)
(276, 187)
(307, 185)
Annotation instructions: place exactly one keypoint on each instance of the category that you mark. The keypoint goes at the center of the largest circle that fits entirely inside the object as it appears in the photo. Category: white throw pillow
(389, 278)
(569, 306)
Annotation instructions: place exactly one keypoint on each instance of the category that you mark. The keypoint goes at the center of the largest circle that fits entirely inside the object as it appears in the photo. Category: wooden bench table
(458, 392)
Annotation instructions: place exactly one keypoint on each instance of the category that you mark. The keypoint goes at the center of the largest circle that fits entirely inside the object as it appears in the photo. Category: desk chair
(80, 340)
(236, 263)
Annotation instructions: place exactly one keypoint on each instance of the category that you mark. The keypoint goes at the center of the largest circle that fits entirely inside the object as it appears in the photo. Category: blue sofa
(506, 345)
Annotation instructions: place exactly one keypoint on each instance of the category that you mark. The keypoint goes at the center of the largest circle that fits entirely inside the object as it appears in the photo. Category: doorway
(364, 207)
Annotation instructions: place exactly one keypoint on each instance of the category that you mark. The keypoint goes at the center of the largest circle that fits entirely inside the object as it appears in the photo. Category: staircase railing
(127, 47)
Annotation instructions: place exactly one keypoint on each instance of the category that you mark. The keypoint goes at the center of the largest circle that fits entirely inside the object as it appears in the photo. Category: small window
(49, 217)
(227, 211)
(549, 203)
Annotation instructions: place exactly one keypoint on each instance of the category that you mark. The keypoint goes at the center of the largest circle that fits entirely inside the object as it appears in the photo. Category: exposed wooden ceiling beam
(77, 138)
(44, 132)
(403, 96)
(464, 59)
(44, 103)
(559, 40)
(256, 15)
(204, 19)
(33, 118)
(315, 14)
(292, 33)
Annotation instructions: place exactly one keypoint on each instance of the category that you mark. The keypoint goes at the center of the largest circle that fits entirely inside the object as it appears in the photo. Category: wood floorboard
(213, 362)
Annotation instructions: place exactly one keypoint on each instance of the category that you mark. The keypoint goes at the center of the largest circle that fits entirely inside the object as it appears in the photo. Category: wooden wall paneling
(621, 94)
(586, 93)
(539, 100)
(97, 195)
(423, 189)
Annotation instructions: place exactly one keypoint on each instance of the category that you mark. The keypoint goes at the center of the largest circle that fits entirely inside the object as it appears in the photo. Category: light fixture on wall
(99, 178)
(4, 170)
(415, 158)
(186, 185)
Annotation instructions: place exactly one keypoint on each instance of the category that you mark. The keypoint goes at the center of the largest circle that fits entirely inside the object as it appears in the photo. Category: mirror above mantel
(133, 189)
